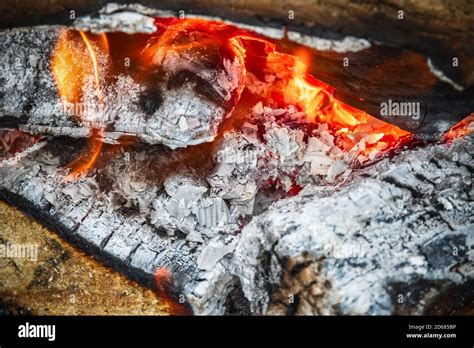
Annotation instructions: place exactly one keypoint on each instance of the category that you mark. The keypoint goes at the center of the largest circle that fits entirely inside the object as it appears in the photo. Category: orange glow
(68, 67)
(93, 58)
(75, 57)
(71, 64)
(81, 165)
(315, 98)
(464, 127)
(105, 42)
(80, 55)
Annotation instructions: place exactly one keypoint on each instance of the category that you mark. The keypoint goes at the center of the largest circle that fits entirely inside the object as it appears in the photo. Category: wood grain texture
(63, 280)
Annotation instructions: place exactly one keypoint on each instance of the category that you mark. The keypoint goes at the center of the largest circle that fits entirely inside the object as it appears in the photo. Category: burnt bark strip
(441, 30)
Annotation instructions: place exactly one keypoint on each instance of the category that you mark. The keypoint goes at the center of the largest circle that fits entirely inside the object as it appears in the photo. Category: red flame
(81, 165)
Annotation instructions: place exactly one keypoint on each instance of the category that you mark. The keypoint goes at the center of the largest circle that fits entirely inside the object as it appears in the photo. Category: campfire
(219, 164)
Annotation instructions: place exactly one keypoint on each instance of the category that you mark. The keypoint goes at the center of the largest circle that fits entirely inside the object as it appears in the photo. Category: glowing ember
(93, 58)
(463, 128)
(69, 73)
(78, 55)
(69, 68)
(14, 141)
(164, 285)
(277, 79)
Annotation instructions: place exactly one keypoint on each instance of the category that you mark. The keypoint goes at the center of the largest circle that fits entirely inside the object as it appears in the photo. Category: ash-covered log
(398, 228)
(296, 207)
(398, 241)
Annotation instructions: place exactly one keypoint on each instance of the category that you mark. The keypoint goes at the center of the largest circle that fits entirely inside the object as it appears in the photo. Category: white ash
(347, 44)
(392, 197)
(213, 253)
(165, 126)
(395, 247)
(442, 76)
(138, 18)
(72, 132)
(129, 22)
(112, 7)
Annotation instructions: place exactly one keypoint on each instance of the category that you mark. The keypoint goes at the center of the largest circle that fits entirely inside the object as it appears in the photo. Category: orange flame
(464, 127)
(69, 73)
(67, 69)
(93, 58)
(192, 37)
(81, 165)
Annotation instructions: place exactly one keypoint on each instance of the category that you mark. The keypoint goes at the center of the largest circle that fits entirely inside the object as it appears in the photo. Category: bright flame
(93, 58)
(464, 127)
(314, 97)
(105, 42)
(291, 83)
(68, 70)
(81, 165)
(70, 73)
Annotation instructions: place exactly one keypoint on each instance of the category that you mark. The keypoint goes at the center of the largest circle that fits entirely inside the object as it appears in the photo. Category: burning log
(139, 217)
(166, 98)
(397, 242)
(256, 216)
(151, 97)
(422, 26)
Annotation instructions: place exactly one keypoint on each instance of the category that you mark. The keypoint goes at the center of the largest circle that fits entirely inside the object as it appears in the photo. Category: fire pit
(244, 169)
